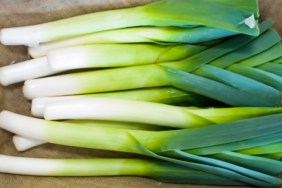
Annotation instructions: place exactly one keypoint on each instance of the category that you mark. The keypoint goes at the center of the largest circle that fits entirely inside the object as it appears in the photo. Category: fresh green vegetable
(23, 143)
(159, 170)
(97, 55)
(94, 56)
(231, 16)
(169, 95)
(158, 35)
(103, 138)
(147, 142)
(239, 87)
(204, 116)
(175, 58)
(117, 55)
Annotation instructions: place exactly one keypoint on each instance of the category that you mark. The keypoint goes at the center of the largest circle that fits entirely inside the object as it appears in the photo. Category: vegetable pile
(193, 87)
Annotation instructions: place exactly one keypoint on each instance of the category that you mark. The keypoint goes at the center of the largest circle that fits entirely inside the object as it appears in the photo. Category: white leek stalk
(117, 55)
(147, 112)
(167, 95)
(26, 70)
(213, 115)
(24, 143)
(102, 80)
(141, 141)
(122, 110)
(160, 170)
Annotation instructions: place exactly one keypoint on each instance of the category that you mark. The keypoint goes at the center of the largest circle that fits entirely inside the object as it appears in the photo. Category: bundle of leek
(173, 146)
(226, 67)
(173, 60)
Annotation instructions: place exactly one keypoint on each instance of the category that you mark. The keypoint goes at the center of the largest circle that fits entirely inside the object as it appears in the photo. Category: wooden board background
(26, 12)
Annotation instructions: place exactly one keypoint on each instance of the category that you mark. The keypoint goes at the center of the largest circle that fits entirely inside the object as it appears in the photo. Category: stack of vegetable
(193, 85)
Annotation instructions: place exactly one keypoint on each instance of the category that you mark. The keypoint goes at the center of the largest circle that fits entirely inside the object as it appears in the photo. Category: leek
(124, 110)
(148, 76)
(159, 75)
(162, 171)
(22, 143)
(167, 95)
(189, 13)
(212, 116)
(94, 56)
(141, 112)
(97, 56)
(138, 77)
(103, 138)
(158, 35)
(144, 141)
(231, 72)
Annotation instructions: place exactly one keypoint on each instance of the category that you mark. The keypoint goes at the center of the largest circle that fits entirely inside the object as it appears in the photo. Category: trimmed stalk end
(28, 36)
(32, 51)
(37, 107)
(3, 77)
(250, 21)
(27, 90)
(25, 70)
(23, 144)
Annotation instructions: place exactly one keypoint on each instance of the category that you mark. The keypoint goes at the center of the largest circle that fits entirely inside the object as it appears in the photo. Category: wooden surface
(26, 12)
